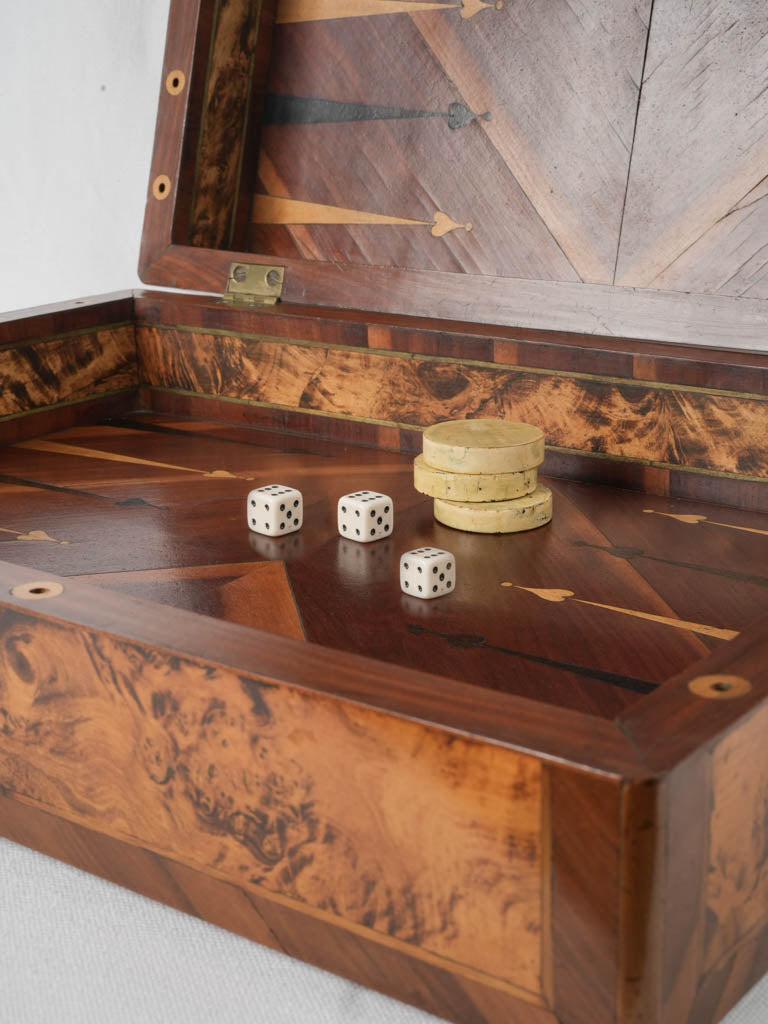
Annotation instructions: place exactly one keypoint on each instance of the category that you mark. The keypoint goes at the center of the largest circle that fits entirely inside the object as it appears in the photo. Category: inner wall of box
(534, 614)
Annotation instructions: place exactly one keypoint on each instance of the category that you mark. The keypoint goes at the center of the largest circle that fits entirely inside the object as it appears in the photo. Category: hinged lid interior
(494, 162)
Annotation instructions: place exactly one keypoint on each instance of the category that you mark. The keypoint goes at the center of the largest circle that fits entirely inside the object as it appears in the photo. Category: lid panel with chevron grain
(466, 159)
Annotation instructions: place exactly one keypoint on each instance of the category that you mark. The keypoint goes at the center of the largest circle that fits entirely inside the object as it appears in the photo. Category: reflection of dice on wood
(365, 516)
(275, 509)
(364, 563)
(427, 573)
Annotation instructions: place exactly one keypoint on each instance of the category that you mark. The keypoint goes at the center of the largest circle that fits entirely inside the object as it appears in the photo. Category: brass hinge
(254, 284)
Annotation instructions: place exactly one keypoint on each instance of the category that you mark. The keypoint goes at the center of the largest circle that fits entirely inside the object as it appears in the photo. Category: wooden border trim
(181, 54)
(52, 418)
(585, 872)
(547, 349)
(598, 415)
(542, 730)
(59, 318)
(672, 723)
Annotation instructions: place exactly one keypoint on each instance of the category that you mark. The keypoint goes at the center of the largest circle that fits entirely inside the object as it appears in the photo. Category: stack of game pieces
(482, 474)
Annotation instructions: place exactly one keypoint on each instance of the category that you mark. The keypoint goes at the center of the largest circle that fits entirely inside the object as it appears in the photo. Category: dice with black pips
(275, 510)
(427, 573)
(365, 516)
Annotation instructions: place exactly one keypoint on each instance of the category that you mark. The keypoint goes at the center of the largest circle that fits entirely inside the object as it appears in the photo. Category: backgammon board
(541, 798)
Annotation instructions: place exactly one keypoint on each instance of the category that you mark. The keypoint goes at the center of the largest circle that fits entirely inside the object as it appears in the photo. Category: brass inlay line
(693, 627)
(693, 519)
(324, 10)
(276, 210)
(33, 535)
(94, 453)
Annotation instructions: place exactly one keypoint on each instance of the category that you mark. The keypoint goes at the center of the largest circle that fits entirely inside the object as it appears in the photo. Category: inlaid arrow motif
(33, 535)
(557, 596)
(696, 519)
(276, 210)
(313, 110)
(95, 453)
(324, 10)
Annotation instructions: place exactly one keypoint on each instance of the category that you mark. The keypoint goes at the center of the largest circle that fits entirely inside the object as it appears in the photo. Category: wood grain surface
(231, 104)
(140, 727)
(245, 911)
(689, 427)
(695, 218)
(613, 181)
(267, 786)
(585, 871)
(262, 598)
(72, 368)
(535, 214)
(737, 883)
(175, 491)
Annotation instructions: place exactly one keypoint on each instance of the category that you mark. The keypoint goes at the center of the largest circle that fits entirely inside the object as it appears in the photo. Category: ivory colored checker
(497, 516)
(471, 486)
(483, 446)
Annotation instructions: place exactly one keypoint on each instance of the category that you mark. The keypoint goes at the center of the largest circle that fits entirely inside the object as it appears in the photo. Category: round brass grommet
(175, 82)
(161, 186)
(37, 591)
(720, 687)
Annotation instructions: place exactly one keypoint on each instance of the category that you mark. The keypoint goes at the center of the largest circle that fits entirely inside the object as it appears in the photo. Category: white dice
(365, 516)
(427, 573)
(275, 510)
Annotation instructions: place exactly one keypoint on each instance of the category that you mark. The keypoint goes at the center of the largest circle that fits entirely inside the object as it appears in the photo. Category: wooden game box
(541, 799)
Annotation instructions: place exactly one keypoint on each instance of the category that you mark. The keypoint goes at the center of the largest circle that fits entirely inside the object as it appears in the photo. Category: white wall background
(79, 81)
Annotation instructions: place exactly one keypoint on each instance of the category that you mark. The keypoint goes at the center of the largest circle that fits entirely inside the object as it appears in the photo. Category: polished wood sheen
(176, 493)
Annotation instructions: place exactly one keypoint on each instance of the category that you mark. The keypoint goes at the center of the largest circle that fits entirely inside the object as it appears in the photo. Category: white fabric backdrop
(79, 82)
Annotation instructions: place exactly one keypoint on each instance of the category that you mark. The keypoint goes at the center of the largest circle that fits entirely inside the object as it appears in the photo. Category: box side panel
(716, 877)
(416, 391)
(280, 927)
(585, 876)
(651, 428)
(422, 840)
(65, 364)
